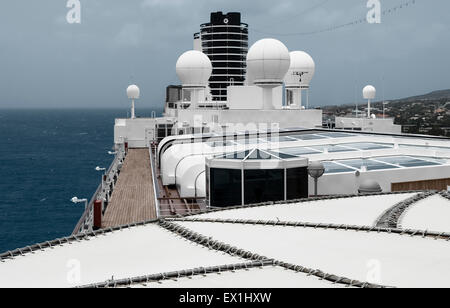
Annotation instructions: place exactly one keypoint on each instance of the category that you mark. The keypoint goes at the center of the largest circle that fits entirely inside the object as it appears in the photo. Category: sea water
(46, 158)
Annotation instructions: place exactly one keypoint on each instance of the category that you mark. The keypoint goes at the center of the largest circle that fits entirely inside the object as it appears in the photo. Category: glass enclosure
(226, 187)
(260, 185)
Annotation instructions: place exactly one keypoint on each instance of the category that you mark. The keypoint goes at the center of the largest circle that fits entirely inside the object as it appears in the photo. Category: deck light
(100, 169)
(369, 187)
(76, 200)
(316, 170)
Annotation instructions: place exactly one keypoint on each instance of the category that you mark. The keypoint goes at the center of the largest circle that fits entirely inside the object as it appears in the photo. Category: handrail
(85, 222)
(155, 180)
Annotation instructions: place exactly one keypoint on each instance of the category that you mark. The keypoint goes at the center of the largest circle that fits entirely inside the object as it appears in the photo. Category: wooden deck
(133, 198)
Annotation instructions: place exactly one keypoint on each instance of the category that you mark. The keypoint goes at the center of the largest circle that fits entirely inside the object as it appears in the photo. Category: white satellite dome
(268, 61)
(133, 92)
(369, 92)
(194, 69)
(301, 70)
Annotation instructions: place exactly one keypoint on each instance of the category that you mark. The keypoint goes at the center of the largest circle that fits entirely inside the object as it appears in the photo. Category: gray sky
(47, 62)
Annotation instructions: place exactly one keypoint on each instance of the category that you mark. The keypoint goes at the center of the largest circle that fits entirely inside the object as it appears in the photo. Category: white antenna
(369, 93)
(133, 93)
(268, 61)
(298, 78)
(194, 69)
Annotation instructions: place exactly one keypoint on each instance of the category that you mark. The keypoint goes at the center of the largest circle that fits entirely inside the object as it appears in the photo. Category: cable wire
(359, 21)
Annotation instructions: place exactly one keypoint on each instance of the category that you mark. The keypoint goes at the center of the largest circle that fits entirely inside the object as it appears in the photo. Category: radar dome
(369, 186)
(133, 92)
(194, 69)
(369, 92)
(301, 70)
(268, 61)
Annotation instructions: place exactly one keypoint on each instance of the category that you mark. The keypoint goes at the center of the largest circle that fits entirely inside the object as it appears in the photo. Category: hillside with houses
(425, 114)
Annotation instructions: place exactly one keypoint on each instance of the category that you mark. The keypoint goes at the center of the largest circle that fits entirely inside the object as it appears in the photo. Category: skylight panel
(367, 164)
(298, 151)
(307, 137)
(331, 167)
(364, 146)
(408, 162)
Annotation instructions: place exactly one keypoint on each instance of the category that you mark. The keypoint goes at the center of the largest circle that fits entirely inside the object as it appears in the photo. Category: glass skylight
(279, 139)
(336, 135)
(367, 163)
(237, 155)
(380, 163)
(406, 161)
(365, 146)
(331, 167)
(298, 151)
(283, 155)
(423, 147)
(258, 155)
(307, 137)
(331, 148)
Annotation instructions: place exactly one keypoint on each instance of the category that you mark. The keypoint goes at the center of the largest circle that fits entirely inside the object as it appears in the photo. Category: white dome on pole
(133, 92)
(194, 69)
(301, 70)
(268, 61)
(369, 92)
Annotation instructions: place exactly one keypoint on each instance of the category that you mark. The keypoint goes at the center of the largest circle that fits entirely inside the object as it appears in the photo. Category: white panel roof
(376, 256)
(432, 214)
(382, 258)
(363, 211)
(128, 253)
(264, 277)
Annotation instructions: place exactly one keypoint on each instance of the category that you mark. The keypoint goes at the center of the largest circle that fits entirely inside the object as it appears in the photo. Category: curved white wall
(186, 174)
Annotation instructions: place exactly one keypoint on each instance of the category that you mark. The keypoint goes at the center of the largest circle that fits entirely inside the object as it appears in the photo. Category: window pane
(226, 187)
(297, 183)
(263, 185)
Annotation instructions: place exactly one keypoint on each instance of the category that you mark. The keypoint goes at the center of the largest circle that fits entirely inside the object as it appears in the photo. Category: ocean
(46, 158)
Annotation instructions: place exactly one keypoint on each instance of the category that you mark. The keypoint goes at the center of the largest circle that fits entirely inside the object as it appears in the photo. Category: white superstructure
(230, 182)
(257, 105)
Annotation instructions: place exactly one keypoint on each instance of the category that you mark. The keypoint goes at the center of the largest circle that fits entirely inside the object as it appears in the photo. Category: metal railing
(86, 222)
(156, 191)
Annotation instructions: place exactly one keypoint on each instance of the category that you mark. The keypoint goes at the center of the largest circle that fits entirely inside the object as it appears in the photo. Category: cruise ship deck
(133, 198)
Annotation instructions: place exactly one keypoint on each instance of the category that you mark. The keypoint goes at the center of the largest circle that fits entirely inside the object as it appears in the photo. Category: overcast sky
(47, 62)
